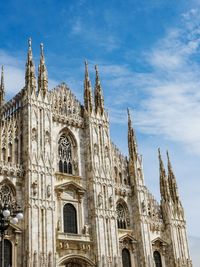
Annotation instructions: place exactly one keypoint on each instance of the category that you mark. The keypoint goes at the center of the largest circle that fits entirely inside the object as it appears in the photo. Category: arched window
(9, 152)
(70, 219)
(116, 174)
(157, 259)
(16, 150)
(65, 155)
(120, 177)
(6, 193)
(3, 154)
(7, 252)
(121, 216)
(126, 259)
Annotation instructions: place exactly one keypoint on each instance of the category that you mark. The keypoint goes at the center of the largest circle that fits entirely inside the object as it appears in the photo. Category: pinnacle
(29, 43)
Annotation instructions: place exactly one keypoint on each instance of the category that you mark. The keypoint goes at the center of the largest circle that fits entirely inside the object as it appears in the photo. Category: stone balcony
(78, 242)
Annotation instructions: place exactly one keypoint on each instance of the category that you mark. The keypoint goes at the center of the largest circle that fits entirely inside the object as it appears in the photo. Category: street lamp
(9, 213)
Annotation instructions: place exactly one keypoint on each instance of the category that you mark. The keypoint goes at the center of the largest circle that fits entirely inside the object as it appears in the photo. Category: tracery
(65, 155)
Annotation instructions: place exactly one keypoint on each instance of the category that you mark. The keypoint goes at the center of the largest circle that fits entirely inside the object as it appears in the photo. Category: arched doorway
(126, 259)
(71, 264)
(76, 261)
(7, 253)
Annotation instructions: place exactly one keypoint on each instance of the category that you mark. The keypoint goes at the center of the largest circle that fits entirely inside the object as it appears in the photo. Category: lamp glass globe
(20, 216)
(6, 213)
(14, 220)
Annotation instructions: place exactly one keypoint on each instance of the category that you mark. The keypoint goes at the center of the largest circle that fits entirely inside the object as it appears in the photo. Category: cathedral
(84, 203)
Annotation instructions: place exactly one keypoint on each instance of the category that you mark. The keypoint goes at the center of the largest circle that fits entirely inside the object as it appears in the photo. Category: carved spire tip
(167, 155)
(96, 68)
(41, 47)
(29, 42)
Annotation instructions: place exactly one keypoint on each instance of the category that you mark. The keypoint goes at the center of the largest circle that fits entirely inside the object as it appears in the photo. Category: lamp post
(9, 213)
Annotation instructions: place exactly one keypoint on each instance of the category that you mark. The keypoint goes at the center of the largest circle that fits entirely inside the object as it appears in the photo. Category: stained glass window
(121, 216)
(64, 155)
(6, 194)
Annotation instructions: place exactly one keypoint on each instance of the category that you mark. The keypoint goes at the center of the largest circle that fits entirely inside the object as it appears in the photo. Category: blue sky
(148, 57)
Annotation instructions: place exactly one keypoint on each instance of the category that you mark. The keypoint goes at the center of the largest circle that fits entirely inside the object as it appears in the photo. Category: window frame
(125, 259)
(66, 227)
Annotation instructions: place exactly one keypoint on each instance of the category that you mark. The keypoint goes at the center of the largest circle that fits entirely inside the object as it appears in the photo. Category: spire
(30, 80)
(98, 94)
(2, 87)
(172, 181)
(132, 143)
(164, 187)
(87, 90)
(42, 73)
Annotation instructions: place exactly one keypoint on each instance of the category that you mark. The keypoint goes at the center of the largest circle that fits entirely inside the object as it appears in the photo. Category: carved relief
(100, 199)
(34, 134)
(34, 188)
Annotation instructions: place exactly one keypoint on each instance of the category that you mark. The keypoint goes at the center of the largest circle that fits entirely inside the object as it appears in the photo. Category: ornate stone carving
(34, 188)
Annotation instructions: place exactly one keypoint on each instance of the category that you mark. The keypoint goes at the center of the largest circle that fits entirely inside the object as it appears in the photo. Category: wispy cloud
(168, 96)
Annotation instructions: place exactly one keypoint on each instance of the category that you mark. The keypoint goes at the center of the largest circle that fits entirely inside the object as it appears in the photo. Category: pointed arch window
(126, 259)
(3, 154)
(7, 194)
(65, 155)
(70, 219)
(16, 150)
(10, 152)
(121, 216)
(157, 259)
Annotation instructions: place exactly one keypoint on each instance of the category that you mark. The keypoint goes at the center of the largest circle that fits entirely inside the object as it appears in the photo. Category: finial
(169, 162)
(97, 72)
(86, 68)
(30, 80)
(168, 156)
(2, 91)
(42, 73)
(129, 119)
(160, 158)
(29, 43)
(2, 70)
(128, 112)
(42, 49)
(29, 49)
(2, 77)
(129, 115)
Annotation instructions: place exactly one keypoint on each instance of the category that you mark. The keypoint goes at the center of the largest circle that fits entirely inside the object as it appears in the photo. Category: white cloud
(166, 104)
(167, 99)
